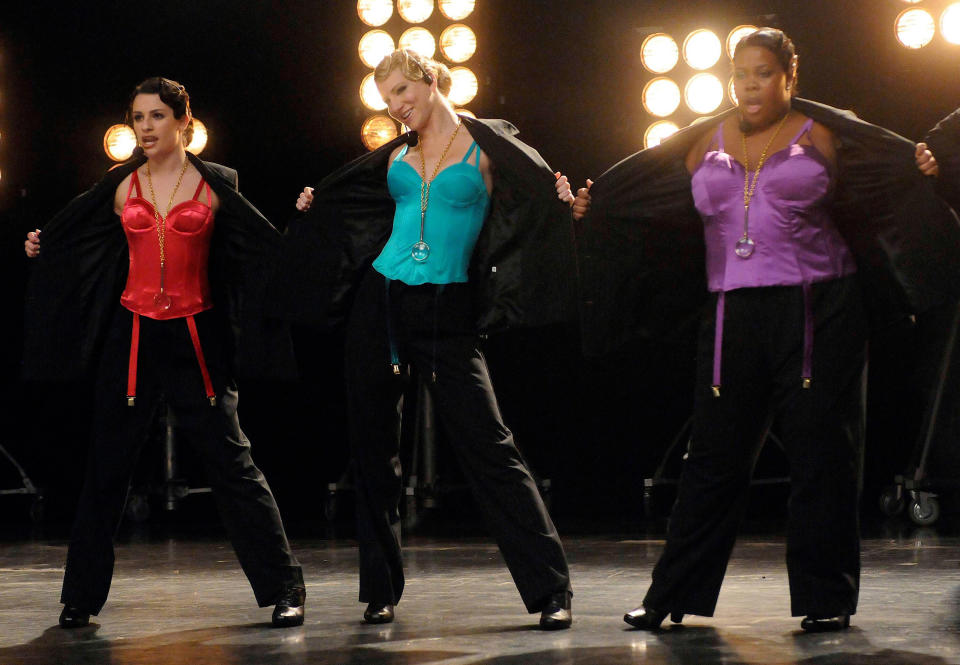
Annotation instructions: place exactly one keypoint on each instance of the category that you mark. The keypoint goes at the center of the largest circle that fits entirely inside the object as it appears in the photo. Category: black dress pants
(821, 428)
(168, 368)
(432, 328)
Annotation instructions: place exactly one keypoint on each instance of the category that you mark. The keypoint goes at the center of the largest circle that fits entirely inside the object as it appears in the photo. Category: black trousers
(168, 368)
(822, 431)
(433, 329)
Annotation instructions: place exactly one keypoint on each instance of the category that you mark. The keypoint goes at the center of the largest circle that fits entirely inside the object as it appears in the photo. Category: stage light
(458, 43)
(464, 87)
(702, 49)
(465, 112)
(703, 93)
(456, 10)
(414, 11)
(661, 97)
(659, 53)
(119, 142)
(378, 130)
(732, 92)
(950, 23)
(375, 12)
(736, 35)
(369, 94)
(420, 41)
(374, 47)
(658, 132)
(915, 28)
(199, 139)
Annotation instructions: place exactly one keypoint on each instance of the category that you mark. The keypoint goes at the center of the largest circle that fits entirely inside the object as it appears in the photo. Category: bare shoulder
(699, 149)
(824, 140)
(120, 195)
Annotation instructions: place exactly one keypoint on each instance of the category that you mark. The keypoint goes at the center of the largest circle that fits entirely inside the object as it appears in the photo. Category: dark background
(276, 84)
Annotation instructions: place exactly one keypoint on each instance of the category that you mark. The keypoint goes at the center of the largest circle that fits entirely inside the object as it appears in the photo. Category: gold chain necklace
(421, 250)
(162, 299)
(746, 245)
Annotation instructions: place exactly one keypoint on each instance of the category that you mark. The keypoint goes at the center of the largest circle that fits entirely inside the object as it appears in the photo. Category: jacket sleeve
(944, 143)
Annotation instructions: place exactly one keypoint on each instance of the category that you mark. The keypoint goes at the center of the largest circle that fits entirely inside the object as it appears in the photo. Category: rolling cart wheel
(891, 501)
(924, 512)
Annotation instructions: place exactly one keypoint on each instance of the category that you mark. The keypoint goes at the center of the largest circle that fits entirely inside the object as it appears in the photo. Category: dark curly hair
(171, 93)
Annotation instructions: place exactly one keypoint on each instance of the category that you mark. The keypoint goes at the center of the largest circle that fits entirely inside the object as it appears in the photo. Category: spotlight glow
(369, 94)
(378, 130)
(458, 43)
(661, 97)
(420, 41)
(702, 49)
(731, 92)
(659, 53)
(950, 23)
(119, 142)
(703, 93)
(374, 47)
(736, 35)
(414, 11)
(915, 28)
(375, 12)
(199, 139)
(464, 87)
(465, 112)
(658, 132)
(456, 10)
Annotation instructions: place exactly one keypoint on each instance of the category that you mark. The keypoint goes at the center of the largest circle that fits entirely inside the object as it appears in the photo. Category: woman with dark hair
(136, 278)
(421, 246)
(784, 209)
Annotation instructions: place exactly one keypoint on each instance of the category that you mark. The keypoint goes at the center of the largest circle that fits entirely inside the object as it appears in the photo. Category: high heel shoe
(646, 618)
(825, 624)
(378, 613)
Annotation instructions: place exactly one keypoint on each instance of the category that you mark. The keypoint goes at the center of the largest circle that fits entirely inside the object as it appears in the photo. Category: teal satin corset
(457, 207)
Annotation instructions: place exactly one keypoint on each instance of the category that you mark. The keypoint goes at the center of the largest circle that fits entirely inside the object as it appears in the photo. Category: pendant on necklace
(745, 247)
(163, 301)
(420, 251)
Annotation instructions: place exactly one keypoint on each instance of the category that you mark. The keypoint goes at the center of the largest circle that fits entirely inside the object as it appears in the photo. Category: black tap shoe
(646, 618)
(289, 609)
(557, 615)
(826, 624)
(73, 617)
(378, 613)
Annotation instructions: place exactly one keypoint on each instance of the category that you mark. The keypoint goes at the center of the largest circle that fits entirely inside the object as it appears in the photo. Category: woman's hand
(32, 244)
(305, 200)
(564, 193)
(926, 162)
(581, 204)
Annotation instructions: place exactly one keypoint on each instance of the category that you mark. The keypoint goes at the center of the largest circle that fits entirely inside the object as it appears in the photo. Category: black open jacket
(76, 282)
(522, 269)
(642, 252)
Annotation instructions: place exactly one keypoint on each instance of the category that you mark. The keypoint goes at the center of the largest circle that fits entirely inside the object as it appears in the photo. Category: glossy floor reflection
(185, 601)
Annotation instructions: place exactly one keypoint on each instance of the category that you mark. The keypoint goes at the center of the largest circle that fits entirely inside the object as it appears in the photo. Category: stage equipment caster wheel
(924, 510)
(892, 501)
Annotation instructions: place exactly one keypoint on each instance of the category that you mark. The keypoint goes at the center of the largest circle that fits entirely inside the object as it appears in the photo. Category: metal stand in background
(172, 489)
(683, 437)
(27, 488)
(923, 508)
(423, 488)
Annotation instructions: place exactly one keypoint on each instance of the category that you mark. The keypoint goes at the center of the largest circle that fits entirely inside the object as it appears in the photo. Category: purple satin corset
(796, 240)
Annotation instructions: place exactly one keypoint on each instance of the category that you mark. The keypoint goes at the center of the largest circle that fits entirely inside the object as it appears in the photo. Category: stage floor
(184, 600)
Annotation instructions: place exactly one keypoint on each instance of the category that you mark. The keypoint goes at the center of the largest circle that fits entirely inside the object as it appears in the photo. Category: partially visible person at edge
(785, 210)
(447, 232)
(939, 156)
(192, 252)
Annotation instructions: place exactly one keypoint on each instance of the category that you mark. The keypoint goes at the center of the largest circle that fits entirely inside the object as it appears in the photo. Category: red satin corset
(187, 231)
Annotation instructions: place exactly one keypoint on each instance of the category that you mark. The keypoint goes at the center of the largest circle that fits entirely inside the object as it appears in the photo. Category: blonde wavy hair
(414, 68)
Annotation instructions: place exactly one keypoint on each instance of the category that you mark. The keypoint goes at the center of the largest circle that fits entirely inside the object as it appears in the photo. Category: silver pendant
(745, 247)
(420, 251)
